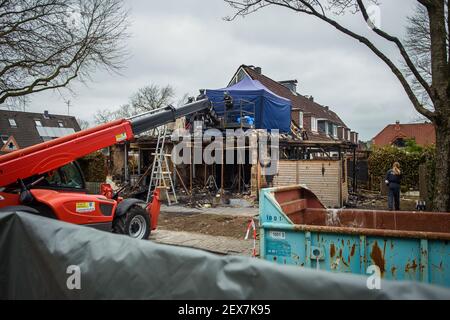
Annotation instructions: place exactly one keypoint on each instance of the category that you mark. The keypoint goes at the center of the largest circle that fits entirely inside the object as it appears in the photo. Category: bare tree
(104, 116)
(152, 97)
(145, 99)
(18, 104)
(418, 45)
(84, 124)
(183, 100)
(45, 44)
(436, 86)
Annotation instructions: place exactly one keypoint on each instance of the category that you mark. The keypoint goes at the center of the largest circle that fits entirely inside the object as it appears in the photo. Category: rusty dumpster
(297, 229)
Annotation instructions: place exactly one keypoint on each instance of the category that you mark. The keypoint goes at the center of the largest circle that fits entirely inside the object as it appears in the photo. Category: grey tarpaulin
(35, 253)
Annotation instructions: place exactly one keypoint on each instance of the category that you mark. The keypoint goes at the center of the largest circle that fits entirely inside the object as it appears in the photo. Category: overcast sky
(188, 45)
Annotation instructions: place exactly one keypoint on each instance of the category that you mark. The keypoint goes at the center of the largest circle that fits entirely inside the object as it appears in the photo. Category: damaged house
(314, 142)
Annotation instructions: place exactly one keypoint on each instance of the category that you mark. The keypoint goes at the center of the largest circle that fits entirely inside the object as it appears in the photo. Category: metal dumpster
(297, 229)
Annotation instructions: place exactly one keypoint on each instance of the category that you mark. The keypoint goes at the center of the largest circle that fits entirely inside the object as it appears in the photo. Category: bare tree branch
(400, 46)
(310, 7)
(145, 99)
(45, 44)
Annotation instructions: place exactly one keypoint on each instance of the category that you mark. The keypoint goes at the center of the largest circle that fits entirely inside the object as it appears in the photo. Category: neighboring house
(19, 130)
(319, 121)
(396, 134)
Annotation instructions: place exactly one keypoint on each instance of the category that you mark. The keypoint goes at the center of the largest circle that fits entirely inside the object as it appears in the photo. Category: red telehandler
(45, 179)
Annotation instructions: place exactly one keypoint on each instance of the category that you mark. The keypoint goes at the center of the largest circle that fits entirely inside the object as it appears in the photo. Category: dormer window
(12, 123)
(60, 124)
(38, 123)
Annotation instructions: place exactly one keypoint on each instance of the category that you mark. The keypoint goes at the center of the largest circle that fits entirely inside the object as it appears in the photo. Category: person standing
(393, 181)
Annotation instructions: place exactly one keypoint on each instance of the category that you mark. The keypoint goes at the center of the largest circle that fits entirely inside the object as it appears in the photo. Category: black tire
(134, 223)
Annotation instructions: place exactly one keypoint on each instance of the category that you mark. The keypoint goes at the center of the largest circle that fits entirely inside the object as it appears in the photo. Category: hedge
(93, 167)
(381, 160)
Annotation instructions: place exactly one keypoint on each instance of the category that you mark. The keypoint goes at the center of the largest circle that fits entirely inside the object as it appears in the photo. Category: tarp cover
(36, 252)
(271, 110)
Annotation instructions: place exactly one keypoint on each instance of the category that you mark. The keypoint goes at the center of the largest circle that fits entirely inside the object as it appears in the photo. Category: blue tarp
(271, 110)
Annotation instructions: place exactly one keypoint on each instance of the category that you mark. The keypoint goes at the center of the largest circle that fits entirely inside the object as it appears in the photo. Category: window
(399, 142)
(300, 119)
(68, 176)
(313, 124)
(327, 128)
(335, 131)
(4, 139)
(348, 135)
(61, 124)
(38, 123)
(12, 123)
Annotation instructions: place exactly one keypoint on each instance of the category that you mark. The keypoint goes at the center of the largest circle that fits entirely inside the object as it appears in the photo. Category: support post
(127, 174)
(354, 171)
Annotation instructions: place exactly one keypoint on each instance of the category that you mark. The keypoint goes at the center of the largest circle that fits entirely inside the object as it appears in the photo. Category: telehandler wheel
(135, 223)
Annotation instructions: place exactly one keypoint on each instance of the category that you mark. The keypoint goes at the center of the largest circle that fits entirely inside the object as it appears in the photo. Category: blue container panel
(397, 258)
(326, 251)
(439, 266)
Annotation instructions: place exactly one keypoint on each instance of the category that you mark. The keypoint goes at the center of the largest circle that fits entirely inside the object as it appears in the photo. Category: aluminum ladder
(161, 175)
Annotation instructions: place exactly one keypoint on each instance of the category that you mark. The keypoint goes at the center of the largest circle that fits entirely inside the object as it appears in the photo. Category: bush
(93, 167)
(410, 158)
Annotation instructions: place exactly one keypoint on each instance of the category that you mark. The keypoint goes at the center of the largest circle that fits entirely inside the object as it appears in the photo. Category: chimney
(258, 70)
(327, 108)
(397, 125)
(46, 114)
(290, 84)
(311, 98)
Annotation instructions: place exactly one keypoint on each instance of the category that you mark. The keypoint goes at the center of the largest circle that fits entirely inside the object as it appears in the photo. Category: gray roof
(26, 133)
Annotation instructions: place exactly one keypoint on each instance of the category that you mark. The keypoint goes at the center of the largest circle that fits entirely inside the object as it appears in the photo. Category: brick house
(396, 134)
(19, 129)
(320, 122)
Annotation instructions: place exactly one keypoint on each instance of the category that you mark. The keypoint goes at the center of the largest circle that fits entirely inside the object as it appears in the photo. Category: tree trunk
(442, 174)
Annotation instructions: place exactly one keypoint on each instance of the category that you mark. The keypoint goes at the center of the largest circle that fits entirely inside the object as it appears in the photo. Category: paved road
(216, 244)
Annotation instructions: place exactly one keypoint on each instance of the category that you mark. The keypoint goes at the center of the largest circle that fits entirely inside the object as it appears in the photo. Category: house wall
(344, 181)
(294, 117)
(324, 178)
(117, 159)
(341, 133)
(307, 122)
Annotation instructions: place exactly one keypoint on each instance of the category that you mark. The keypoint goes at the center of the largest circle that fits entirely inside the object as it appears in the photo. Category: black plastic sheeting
(36, 252)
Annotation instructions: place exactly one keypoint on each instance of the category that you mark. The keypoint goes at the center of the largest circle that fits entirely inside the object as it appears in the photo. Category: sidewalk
(230, 211)
(215, 244)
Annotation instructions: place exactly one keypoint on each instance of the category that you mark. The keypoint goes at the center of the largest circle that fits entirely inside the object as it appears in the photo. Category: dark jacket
(393, 180)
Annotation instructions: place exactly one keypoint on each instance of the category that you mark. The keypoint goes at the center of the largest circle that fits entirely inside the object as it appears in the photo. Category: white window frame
(335, 131)
(4, 138)
(327, 128)
(300, 120)
(313, 124)
(348, 135)
(12, 123)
